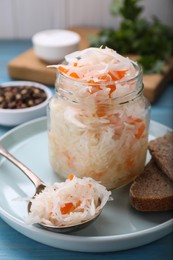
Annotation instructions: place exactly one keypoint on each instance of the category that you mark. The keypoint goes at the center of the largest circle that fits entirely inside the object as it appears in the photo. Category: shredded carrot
(74, 75)
(101, 110)
(62, 69)
(70, 176)
(138, 120)
(91, 81)
(112, 75)
(119, 74)
(104, 77)
(95, 89)
(140, 131)
(112, 89)
(69, 207)
(133, 121)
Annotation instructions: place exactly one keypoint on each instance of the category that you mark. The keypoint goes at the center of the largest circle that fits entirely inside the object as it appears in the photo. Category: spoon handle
(35, 180)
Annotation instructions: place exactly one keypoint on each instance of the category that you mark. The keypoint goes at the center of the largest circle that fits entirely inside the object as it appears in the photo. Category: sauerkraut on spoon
(65, 206)
(68, 204)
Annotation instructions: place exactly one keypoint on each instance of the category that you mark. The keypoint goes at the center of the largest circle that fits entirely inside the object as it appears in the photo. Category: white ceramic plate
(118, 228)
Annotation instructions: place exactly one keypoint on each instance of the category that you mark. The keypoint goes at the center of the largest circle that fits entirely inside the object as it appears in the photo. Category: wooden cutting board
(28, 67)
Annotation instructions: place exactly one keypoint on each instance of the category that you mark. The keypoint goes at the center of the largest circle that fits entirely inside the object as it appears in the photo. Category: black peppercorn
(21, 97)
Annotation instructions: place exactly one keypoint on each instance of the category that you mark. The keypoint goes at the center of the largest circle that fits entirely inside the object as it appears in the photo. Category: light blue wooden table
(15, 246)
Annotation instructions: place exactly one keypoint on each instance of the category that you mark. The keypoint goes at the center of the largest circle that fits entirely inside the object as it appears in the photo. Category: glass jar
(93, 136)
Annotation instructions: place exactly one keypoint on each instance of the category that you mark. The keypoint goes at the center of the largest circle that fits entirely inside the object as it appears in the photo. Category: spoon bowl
(39, 187)
(70, 228)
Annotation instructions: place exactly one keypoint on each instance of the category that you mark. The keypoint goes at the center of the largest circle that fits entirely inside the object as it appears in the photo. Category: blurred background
(21, 19)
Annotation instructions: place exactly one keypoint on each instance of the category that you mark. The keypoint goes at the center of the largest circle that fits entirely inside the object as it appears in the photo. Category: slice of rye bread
(161, 150)
(152, 190)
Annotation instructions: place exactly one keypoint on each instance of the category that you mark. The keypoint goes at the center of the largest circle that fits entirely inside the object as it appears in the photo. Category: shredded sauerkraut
(99, 124)
(68, 203)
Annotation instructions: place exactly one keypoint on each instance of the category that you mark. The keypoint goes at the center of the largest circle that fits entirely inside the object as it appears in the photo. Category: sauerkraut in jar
(98, 118)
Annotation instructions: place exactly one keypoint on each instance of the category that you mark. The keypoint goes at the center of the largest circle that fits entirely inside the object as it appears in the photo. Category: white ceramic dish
(118, 228)
(13, 117)
(52, 45)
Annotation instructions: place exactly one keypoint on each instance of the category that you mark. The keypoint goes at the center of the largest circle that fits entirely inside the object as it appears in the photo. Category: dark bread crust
(161, 150)
(152, 190)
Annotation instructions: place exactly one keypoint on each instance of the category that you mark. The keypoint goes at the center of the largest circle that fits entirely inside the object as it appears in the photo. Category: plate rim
(7, 217)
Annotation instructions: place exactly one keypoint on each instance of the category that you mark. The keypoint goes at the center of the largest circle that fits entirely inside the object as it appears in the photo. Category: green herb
(151, 41)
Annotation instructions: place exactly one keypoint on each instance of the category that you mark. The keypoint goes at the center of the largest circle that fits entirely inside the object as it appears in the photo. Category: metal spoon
(39, 186)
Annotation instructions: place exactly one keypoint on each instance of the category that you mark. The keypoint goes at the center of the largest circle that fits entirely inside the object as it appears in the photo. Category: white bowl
(52, 45)
(13, 117)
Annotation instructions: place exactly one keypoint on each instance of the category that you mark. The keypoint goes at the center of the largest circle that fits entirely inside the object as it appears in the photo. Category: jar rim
(121, 99)
(137, 66)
